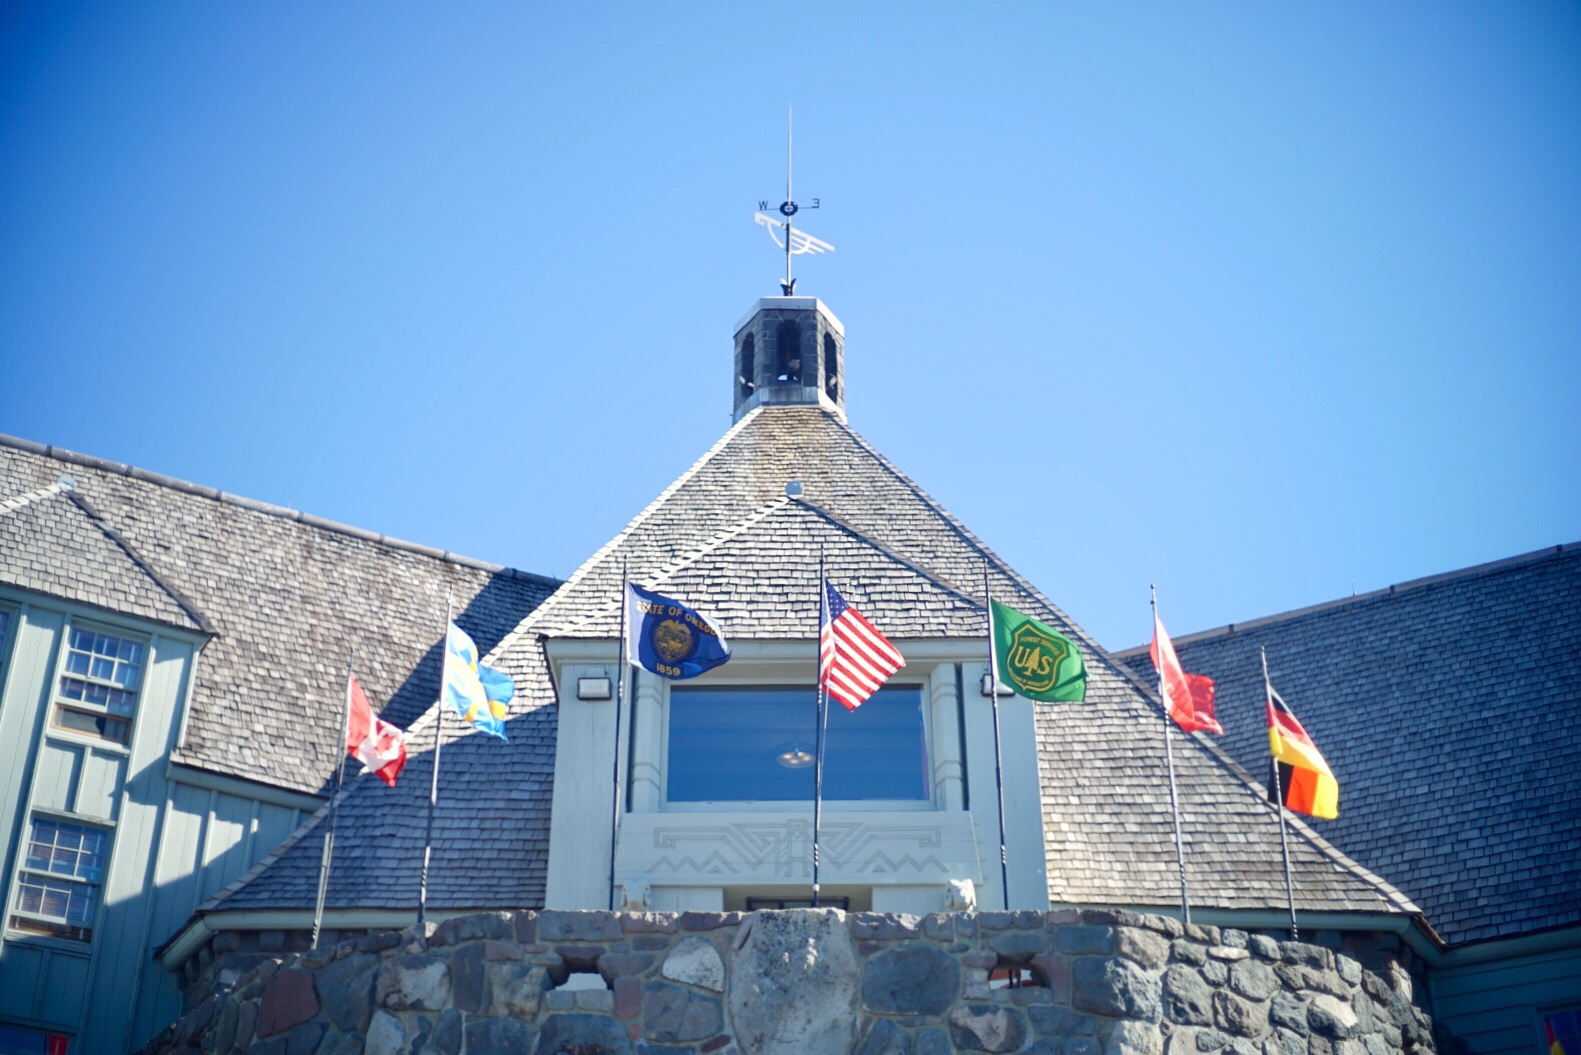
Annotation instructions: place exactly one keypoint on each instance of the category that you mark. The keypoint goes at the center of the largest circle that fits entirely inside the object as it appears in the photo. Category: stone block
(1289, 1011)
(1298, 977)
(670, 1013)
(1019, 946)
(578, 925)
(885, 1038)
(1203, 935)
(1285, 1042)
(386, 1035)
(526, 927)
(1133, 1038)
(1188, 952)
(911, 979)
(940, 926)
(1115, 916)
(1146, 947)
(1306, 955)
(289, 999)
(1060, 1022)
(628, 998)
(1227, 953)
(793, 984)
(648, 922)
(559, 1000)
(467, 978)
(595, 1000)
(1080, 940)
(496, 951)
(1348, 969)
(1211, 1040)
(1078, 1046)
(1331, 1018)
(1241, 1018)
(703, 920)
(1235, 939)
(447, 1034)
(987, 1027)
(1027, 996)
(413, 983)
(1253, 980)
(516, 989)
(580, 957)
(649, 942)
(1168, 926)
(304, 1039)
(1055, 970)
(932, 1042)
(1263, 946)
(1216, 972)
(884, 926)
(695, 961)
(378, 941)
(1188, 1000)
(1112, 986)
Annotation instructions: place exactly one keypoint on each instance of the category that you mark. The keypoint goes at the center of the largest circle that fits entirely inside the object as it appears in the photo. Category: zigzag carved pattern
(785, 849)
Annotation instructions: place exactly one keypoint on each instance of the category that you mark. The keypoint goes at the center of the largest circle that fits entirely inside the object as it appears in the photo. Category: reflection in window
(743, 745)
(58, 885)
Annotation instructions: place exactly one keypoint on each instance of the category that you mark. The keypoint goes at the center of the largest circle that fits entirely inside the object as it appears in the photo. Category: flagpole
(821, 718)
(433, 786)
(999, 769)
(1169, 754)
(620, 697)
(334, 810)
(1279, 805)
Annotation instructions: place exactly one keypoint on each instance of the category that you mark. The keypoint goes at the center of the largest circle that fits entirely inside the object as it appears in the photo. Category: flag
(854, 657)
(1554, 1047)
(371, 740)
(1306, 784)
(666, 638)
(1036, 660)
(1187, 697)
(477, 693)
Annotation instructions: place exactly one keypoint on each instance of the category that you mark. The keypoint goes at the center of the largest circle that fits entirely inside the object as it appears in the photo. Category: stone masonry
(809, 982)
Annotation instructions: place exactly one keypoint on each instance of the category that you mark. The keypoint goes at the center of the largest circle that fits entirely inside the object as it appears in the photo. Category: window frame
(921, 682)
(96, 886)
(59, 702)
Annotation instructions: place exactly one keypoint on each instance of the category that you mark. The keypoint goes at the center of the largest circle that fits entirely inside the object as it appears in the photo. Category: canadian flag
(1189, 697)
(370, 739)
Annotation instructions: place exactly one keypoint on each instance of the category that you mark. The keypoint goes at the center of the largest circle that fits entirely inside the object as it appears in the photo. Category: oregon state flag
(1305, 782)
(1036, 660)
(667, 638)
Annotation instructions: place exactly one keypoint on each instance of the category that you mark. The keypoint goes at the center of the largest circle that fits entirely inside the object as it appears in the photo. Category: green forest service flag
(1036, 660)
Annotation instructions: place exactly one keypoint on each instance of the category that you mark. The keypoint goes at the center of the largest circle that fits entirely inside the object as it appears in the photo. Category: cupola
(788, 351)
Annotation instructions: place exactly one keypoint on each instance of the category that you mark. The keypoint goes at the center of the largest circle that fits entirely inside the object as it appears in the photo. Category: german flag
(1306, 784)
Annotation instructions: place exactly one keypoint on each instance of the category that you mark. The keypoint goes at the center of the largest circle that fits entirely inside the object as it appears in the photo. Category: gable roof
(285, 596)
(725, 537)
(1447, 708)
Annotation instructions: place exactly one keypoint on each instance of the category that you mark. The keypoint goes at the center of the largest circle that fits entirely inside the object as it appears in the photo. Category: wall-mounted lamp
(594, 689)
(793, 754)
(988, 690)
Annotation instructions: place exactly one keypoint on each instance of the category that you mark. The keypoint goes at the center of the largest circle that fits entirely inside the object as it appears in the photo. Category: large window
(58, 886)
(756, 745)
(98, 685)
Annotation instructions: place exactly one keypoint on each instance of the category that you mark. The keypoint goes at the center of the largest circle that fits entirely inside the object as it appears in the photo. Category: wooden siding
(1494, 1006)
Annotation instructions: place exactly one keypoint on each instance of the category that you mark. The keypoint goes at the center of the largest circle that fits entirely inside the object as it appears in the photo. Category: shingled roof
(285, 597)
(726, 537)
(1447, 708)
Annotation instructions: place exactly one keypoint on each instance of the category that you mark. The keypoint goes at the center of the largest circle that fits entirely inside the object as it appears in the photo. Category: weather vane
(796, 242)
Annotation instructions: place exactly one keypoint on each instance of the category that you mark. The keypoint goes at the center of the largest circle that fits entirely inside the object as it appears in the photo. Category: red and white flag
(1188, 697)
(370, 739)
(856, 659)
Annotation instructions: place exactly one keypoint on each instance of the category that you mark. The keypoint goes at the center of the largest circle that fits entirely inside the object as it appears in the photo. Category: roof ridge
(136, 558)
(266, 508)
(931, 576)
(1475, 570)
(530, 624)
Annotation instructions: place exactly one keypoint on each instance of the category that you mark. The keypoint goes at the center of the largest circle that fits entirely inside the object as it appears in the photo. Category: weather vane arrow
(795, 242)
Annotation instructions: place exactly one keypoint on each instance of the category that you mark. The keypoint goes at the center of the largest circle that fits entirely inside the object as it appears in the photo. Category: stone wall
(810, 982)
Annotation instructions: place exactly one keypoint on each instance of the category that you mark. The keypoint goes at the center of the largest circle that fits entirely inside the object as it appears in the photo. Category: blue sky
(1256, 302)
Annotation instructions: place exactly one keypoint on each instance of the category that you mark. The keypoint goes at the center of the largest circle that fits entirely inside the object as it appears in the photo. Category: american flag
(856, 659)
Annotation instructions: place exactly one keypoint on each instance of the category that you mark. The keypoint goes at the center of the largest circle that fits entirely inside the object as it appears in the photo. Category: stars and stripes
(854, 657)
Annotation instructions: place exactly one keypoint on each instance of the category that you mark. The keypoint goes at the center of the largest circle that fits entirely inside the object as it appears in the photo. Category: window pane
(81, 639)
(733, 745)
(77, 663)
(103, 668)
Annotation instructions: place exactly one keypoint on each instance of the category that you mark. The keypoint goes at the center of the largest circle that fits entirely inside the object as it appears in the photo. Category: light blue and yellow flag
(475, 692)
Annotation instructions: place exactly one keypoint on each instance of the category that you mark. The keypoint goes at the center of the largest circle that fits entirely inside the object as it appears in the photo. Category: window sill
(42, 941)
(108, 746)
(804, 805)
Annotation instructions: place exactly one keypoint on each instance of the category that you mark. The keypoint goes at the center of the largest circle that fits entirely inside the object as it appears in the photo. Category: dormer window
(787, 343)
(831, 368)
(97, 694)
(746, 369)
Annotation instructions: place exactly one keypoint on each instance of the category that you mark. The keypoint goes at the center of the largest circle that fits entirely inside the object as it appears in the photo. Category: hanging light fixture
(793, 754)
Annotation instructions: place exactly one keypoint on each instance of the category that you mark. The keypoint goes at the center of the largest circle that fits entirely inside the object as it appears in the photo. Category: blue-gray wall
(1496, 1006)
(176, 835)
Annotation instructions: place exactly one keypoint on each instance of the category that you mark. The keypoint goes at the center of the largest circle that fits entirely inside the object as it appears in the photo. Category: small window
(58, 885)
(1022, 977)
(98, 685)
(746, 371)
(1562, 1028)
(831, 367)
(787, 344)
